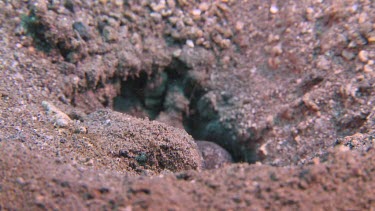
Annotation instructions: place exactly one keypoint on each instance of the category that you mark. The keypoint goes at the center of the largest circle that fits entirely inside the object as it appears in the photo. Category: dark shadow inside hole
(177, 70)
(133, 100)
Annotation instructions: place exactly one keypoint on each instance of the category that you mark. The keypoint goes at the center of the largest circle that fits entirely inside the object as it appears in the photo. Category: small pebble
(190, 43)
(171, 4)
(82, 30)
(263, 149)
(239, 26)
(156, 17)
(362, 18)
(309, 10)
(188, 21)
(118, 3)
(158, 7)
(225, 43)
(61, 122)
(177, 53)
(347, 55)
(310, 13)
(31, 49)
(274, 62)
(59, 118)
(274, 9)
(353, 8)
(204, 6)
(226, 60)
(363, 56)
(277, 50)
(273, 38)
(20, 181)
(173, 20)
(214, 156)
(196, 12)
(166, 13)
(80, 130)
(199, 41)
(40, 6)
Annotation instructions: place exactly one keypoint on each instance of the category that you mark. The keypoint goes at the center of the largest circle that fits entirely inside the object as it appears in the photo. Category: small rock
(347, 55)
(80, 130)
(277, 50)
(180, 25)
(274, 62)
(190, 43)
(214, 156)
(171, 4)
(69, 4)
(173, 20)
(119, 3)
(110, 34)
(310, 14)
(156, 17)
(20, 181)
(263, 149)
(82, 30)
(362, 18)
(188, 21)
(39, 6)
(363, 56)
(166, 13)
(158, 7)
(239, 26)
(177, 53)
(371, 39)
(225, 43)
(59, 118)
(204, 6)
(61, 122)
(274, 9)
(323, 63)
(196, 12)
(368, 68)
(200, 41)
(354, 8)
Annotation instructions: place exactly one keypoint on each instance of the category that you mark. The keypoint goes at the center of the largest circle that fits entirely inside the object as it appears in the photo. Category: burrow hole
(177, 96)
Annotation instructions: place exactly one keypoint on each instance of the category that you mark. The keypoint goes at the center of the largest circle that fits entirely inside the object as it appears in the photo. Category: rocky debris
(357, 142)
(276, 83)
(58, 118)
(195, 57)
(204, 46)
(142, 145)
(34, 182)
